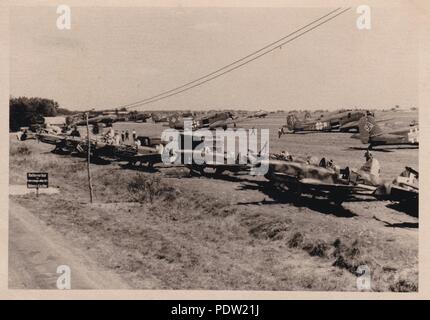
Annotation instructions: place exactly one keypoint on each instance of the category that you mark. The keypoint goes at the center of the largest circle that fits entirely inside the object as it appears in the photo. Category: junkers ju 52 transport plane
(371, 133)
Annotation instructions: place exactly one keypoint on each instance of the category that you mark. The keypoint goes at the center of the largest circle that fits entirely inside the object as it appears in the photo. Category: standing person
(372, 165)
(96, 129)
(75, 132)
(127, 133)
(137, 143)
(24, 135)
(111, 132)
(134, 135)
(371, 170)
(109, 136)
(117, 139)
(122, 136)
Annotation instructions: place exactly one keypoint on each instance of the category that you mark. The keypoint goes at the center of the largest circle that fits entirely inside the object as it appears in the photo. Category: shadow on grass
(141, 168)
(384, 149)
(240, 177)
(408, 208)
(285, 197)
(365, 149)
(410, 225)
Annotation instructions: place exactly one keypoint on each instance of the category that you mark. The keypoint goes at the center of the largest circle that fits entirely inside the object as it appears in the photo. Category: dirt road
(35, 252)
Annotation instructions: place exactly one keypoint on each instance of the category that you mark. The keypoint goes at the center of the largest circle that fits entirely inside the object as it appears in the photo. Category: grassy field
(165, 230)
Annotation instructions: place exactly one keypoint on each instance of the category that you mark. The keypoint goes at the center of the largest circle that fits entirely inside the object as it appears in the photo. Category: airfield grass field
(165, 230)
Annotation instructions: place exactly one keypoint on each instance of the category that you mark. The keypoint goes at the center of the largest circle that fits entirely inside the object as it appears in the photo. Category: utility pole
(89, 159)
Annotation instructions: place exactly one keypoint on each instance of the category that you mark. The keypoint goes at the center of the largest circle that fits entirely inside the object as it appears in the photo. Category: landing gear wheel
(338, 198)
(202, 171)
(297, 193)
(338, 201)
(218, 171)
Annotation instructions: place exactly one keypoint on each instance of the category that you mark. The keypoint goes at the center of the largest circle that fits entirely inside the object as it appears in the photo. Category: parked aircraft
(404, 188)
(148, 152)
(259, 114)
(335, 121)
(107, 120)
(212, 121)
(139, 116)
(159, 117)
(371, 133)
(316, 180)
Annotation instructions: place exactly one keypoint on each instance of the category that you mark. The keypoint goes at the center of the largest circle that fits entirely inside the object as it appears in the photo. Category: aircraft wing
(354, 124)
(385, 120)
(391, 138)
(349, 125)
(396, 193)
(327, 186)
(317, 184)
(49, 138)
(144, 154)
(403, 131)
(150, 157)
(222, 123)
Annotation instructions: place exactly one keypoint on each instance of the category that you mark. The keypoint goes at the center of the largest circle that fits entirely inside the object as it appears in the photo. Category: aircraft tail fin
(154, 117)
(174, 121)
(291, 121)
(368, 128)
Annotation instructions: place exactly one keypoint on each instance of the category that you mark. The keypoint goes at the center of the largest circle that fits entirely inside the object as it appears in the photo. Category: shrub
(149, 188)
(318, 248)
(20, 151)
(296, 240)
(404, 286)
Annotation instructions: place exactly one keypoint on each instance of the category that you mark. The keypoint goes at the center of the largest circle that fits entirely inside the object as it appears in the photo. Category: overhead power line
(232, 66)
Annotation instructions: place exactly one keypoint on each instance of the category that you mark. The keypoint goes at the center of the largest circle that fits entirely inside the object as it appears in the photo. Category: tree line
(25, 112)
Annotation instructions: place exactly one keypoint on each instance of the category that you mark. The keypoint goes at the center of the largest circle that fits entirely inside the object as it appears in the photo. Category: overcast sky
(115, 56)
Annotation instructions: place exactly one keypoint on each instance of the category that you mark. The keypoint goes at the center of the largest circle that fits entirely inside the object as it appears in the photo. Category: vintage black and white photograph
(214, 148)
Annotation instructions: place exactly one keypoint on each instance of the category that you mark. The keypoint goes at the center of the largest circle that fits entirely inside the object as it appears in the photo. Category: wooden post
(89, 159)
